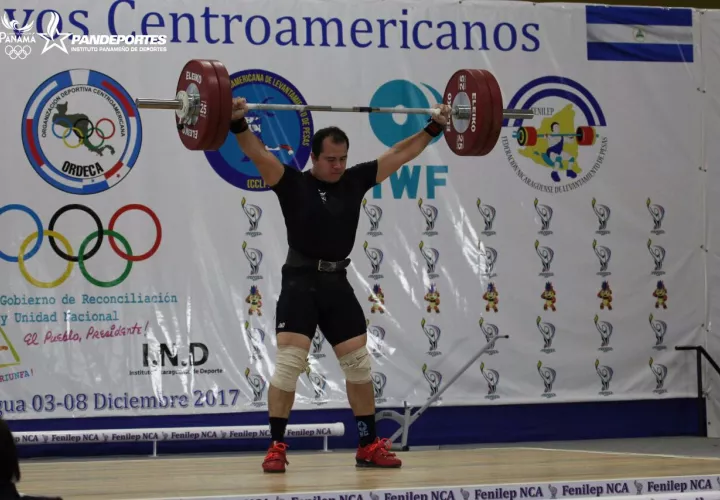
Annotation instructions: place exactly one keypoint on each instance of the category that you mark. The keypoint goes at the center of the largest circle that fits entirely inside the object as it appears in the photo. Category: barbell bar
(203, 106)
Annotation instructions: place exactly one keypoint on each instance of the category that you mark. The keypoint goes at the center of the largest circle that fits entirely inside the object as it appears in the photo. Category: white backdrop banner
(141, 277)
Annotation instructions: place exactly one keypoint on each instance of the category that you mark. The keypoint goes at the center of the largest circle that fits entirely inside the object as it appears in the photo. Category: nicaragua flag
(646, 34)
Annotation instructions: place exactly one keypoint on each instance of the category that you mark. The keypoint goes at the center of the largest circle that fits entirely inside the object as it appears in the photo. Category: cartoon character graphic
(661, 295)
(605, 296)
(255, 301)
(378, 300)
(433, 299)
(491, 296)
(548, 296)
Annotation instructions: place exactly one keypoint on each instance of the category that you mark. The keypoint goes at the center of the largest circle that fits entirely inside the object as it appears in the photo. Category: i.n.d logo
(286, 135)
(81, 131)
(562, 147)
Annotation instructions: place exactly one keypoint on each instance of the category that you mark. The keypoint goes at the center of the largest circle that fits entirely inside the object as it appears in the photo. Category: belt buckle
(325, 266)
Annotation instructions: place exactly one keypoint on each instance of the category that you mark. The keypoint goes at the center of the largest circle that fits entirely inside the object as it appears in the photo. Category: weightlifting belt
(296, 259)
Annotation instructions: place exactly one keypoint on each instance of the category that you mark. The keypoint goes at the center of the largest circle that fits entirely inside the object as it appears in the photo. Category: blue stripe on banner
(651, 52)
(645, 16)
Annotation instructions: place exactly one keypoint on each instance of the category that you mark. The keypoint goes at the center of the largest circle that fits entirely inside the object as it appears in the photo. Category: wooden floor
(333, 471)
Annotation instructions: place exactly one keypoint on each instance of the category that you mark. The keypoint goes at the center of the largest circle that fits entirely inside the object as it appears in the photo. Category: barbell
(527, 136)
(203, 108)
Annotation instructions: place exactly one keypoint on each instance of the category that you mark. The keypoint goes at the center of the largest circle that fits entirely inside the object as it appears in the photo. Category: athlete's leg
(342, 321)
(295, 322)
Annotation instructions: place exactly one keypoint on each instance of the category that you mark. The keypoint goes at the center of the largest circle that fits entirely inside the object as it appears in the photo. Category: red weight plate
(225, 110)
(496, 118)
(585, 136)
(199, 76)
(466, 136)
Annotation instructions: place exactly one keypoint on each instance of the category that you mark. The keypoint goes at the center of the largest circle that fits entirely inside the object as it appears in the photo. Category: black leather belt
(296, 259)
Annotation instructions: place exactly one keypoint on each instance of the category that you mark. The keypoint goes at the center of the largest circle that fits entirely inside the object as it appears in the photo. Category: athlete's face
(331, 163)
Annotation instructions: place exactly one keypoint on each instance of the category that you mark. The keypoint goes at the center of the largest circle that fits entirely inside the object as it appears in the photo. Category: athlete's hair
(9, 464)
(335, 134)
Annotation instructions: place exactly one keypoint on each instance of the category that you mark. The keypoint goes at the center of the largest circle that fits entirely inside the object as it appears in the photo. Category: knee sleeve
(290, 363)
(356, 366)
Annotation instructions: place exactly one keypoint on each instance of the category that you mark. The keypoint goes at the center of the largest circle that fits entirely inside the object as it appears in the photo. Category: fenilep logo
(318, 341)
(81, 131)
(602, 212)
(546, 255)
(658, 254)
(376, 340)
(606, 374)
(560, 149)
(374, 214)
(492, 377)
(488, 213)
(286, 135)
(319, 385)
(391, 129)
(379, 380)
(256, 340)
(431, 256)
(488, 257)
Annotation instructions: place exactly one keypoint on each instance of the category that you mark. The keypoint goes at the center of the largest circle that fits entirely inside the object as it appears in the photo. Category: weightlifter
(321, 208)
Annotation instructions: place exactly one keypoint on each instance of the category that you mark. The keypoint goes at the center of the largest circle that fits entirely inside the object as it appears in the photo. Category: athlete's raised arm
(270, 168)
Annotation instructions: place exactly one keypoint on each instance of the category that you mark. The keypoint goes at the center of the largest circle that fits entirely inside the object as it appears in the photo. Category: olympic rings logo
(17, 51)
(83, 132)
(82, 257)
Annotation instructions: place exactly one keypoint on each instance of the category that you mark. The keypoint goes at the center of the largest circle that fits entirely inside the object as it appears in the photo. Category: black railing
(700, 352)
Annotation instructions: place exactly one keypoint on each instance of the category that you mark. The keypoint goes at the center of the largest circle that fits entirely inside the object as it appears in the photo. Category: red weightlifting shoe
(378, 455)
(275, 460)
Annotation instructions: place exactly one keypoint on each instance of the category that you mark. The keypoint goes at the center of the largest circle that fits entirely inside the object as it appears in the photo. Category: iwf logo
(659, 328)
(605, 329)
(548, 376)
(488, 257)
(492, 377)
(430, 214)
(546, 255)
(658, 254)
(606, 374)
(603, 254)
(375, 256)
(431, 257)
(253, 213)
(488, 213)
(432, 333)
(257, 384)
(545, 212)
(434, 379)
(254, 258)
(657, 212)
(256, 339)
(317, 344)
(319, 385)
(660, 372)
(374, 214)
(491, 333)
(379, 380)
(547, 330)
(602, 212)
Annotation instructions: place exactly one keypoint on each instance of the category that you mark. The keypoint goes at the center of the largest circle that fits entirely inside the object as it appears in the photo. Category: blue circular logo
(402, 94)
(287, 134)
(81, 131)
